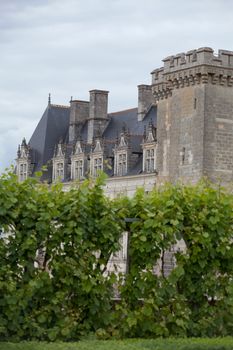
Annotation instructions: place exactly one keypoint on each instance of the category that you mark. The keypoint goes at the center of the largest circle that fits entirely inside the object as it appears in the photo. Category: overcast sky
(68, 47)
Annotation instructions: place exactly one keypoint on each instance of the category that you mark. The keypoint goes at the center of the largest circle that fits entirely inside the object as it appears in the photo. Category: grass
(134, 344)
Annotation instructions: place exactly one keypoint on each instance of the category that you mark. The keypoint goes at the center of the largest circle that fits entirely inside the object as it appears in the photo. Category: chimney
(98, 104)
(145, 100)
(98, 113)
(79, 113)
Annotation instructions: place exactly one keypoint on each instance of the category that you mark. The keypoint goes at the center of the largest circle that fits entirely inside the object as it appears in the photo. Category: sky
(68, 47)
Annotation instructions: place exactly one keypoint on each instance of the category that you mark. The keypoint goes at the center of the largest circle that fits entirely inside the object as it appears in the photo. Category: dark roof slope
(51, 128)
(54, 126)
(128, 119)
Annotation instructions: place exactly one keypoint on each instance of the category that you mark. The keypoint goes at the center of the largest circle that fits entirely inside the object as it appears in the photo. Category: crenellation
(192, 59)
(226, 57)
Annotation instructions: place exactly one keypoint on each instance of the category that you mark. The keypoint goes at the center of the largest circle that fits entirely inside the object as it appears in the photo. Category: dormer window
(24, 165)
(97, 158)
(150, 160)
(60, 170)
(149, 146)
(78, 169)
(23, 171)
(78, 161)
(59, 162)
(122, 164)
(98, 166)
(121, 154)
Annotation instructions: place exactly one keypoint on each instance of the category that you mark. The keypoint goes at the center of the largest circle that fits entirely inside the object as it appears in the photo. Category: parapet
(192, 59)
(200, 66)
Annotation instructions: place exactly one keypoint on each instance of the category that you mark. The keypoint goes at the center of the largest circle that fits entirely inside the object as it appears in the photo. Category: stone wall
(194, 97)
(218, 138)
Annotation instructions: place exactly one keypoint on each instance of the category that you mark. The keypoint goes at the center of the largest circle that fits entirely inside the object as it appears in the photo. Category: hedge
(54, 283)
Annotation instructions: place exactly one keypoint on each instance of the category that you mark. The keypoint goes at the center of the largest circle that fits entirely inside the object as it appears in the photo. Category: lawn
(134, 344)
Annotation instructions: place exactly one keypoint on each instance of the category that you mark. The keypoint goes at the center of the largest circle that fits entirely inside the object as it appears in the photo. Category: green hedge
(134, 344)
(68, 294)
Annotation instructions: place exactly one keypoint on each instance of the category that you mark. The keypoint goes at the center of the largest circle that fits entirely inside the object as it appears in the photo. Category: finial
(49, 99)
(71, 98)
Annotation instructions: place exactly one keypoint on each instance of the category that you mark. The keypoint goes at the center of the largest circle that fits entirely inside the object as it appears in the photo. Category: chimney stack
(98, 113)
(79, 113)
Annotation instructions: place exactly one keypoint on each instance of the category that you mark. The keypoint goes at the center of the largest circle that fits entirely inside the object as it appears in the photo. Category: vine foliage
(55, 248)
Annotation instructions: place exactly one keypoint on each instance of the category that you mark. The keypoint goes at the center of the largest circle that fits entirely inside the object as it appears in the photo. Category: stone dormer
(59, 162)
(97, 157)
(149, 147)
(121, 154)
(78, 161)
(23, 161)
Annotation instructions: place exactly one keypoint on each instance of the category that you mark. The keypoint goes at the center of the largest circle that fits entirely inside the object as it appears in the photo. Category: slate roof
(129, 119)
(51, 128)
(54, 126)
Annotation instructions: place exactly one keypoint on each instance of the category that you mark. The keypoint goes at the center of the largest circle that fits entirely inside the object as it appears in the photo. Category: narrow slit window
(195, 103)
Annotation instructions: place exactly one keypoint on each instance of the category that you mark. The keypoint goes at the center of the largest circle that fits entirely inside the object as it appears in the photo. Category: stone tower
(194, 97)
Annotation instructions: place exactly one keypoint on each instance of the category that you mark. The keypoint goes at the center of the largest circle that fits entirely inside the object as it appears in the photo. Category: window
(195, 103)
(60, 171)
(98, 165)
(183, 156)
(78, 170)
(150, 160)
(122, 165)
(23, 171)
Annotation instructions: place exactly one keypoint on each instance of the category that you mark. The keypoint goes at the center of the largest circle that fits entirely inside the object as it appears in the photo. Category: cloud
(70, 47)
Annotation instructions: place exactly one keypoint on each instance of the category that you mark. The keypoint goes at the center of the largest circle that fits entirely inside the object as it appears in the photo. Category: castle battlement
(199, 66)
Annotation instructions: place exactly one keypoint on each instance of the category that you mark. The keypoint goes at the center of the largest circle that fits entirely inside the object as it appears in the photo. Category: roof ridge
(124, 110)
(59, 106)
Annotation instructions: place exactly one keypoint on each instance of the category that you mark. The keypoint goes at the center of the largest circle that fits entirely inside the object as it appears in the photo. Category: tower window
(182, 153)
(195, 103)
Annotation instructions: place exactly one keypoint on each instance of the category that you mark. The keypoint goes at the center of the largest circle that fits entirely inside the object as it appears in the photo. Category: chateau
(182, 128)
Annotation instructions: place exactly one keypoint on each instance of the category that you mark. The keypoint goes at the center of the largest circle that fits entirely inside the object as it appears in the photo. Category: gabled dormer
(121, 154)
(23, 161)
(97, 157)
(149, 147)
(78, 161)
(59, 162)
